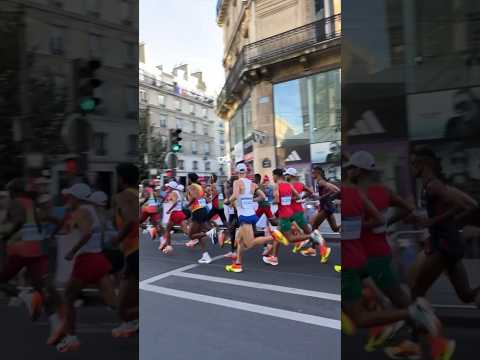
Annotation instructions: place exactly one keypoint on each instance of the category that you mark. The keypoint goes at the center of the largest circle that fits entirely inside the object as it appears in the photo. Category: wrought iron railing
(281, 45)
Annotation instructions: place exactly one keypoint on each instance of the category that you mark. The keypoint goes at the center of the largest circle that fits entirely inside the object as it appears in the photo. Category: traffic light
(175, 139)
(85, 83)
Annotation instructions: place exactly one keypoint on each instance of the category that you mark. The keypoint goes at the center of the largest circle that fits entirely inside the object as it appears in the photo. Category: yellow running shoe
(235, 268)
(309, 252)
(338, 268)
(405, 350)
(325, 255)
(377, 337)
(348, 327)
(278, 236)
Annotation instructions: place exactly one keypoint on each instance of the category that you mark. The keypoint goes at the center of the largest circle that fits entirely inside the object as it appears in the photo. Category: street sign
(266, 163)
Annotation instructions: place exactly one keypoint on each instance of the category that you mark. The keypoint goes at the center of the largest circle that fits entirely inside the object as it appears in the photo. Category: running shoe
(205, 259)
(405, 350)
(317, 238)
(126, 329)
(422, 314)
(270, 260)
(163, 243)
(212, 235)
(167, 249)
(278, 236)
(325, 254)
(191, 243)
(227, 242)
(377, 336)
(235, 268)
(442, 348)
(57, 328)
(33, 301)
(309, 252)
(338, 268)
(69, 343)
(348, 327)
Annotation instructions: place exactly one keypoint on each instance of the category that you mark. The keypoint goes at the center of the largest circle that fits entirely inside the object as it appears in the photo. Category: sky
(183, 31)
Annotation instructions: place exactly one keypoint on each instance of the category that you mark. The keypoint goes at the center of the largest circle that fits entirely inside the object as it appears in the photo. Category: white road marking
(262, 286)
(445, 306)
(244, 306)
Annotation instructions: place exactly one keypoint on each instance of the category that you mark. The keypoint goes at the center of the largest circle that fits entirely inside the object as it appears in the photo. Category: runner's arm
(175, 201)
(398, 202)
(126, 209)
(84, 220)
(373, 215)
(260, 195)
(17, 216)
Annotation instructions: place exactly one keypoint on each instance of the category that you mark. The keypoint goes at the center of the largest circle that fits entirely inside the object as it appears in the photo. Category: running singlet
(297, 204)
(217, 201)
(326, 203)
(353, 252)
(94, 244)
(152, 204)
(245, 205)
(200, 202)
(27, 242)
(375, 240)
(178, 205)
(285, 197)
(130, 243)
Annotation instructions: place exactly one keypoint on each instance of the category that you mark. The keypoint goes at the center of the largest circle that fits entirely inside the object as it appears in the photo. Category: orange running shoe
(235, 268)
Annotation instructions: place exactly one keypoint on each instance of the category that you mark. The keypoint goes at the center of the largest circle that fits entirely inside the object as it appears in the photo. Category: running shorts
(286, 224)
(300, 219)
(449, 245)
(177, 217)
(200, 216)
(264, 211)
(37, 267)
(352, 285)
(116, 259)
(251, 220)
(381, 271)
(328, 207)
(132, 265)
(90, 268)
(188, 213)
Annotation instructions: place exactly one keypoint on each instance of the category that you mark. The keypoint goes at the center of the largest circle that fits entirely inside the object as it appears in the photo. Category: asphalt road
(23, 339)
(199, 311)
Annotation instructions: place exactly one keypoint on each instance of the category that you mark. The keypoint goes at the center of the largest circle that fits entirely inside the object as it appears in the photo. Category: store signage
(326, 152)
(238, 152)
(266, 163)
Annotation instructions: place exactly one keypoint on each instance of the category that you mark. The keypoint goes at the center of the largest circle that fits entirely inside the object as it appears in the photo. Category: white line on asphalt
(259, 309)
(262, 286)
(445, 306)
(174, 272)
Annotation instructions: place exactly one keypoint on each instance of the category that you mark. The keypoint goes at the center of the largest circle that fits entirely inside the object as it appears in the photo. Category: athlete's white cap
(362, 160)
(291, 172)
(98, 198)
(80, 191)
(241, 168)
(173, 185)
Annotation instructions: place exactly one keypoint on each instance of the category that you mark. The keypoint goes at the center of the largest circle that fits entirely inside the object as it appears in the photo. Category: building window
(207, 166)
(163, 120)
(203, 112)
(130, 53)
(205, 130)
(177, 104)
(56, 42)
(222, 137)
(194, 147)
(163, 140)
(181, 164)
(143, 96)
(94, 7)
(99, 144)
(161, 100)
(192, 109)
(194, 127)
(247, 119)
(95, 45)
(179, 123)
(195, 165)
(207, 148)
(222, 151)
(132, 144)
(132, 102)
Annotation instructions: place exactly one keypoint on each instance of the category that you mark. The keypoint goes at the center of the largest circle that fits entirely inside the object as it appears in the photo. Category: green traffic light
(87, 104)
(176, 147)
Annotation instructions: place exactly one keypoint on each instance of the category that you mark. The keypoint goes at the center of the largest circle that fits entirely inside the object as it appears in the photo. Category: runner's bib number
(247, 203)
(31, 233)
(351, 228)
(220, 196)
(286, 200)
(202, 202)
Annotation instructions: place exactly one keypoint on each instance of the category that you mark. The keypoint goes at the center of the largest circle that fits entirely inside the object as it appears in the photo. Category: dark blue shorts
(251, 220)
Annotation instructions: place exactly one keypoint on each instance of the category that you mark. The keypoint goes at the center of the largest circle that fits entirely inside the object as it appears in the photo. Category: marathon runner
(244, 191)
(126, 218)
(232, 222)
(90, 266)
(151, 211)
(218, 199)
(357, 213)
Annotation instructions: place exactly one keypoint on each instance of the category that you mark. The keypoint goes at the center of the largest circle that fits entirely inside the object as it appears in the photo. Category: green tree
(150, 143)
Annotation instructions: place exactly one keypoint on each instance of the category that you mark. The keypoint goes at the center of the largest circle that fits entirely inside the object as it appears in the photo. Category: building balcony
(296, 43)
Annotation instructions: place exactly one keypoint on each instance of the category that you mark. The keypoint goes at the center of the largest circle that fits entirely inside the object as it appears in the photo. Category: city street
(190, 310)
(22, 339)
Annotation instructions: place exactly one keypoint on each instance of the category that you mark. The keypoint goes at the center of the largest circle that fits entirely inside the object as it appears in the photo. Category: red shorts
(90, 268)
(177, 217)
(37, 267)
(155, 218)
(264, 210)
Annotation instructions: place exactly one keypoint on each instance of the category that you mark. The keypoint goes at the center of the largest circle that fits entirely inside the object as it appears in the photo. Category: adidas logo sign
(367, 125)
(293, 157)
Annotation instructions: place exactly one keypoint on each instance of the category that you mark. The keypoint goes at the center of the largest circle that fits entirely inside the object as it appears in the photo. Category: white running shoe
(68, 343)
(270, 260)
(317, 237)
(126, 329)
(422, 314)
(205, 259)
